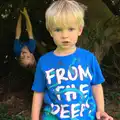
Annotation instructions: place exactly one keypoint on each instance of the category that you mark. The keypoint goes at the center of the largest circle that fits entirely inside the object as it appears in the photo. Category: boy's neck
(64, 52)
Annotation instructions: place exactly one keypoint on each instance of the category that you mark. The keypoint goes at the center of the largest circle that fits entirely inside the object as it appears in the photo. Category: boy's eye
(58, 29)
(71, 29)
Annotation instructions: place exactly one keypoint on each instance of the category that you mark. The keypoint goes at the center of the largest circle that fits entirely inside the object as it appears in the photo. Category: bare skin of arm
(41, 49)
(36, 105)
(18, 27)
(28, 23)
(99, 98)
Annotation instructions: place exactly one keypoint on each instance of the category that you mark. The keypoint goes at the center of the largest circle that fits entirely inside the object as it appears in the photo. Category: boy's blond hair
(61, 12)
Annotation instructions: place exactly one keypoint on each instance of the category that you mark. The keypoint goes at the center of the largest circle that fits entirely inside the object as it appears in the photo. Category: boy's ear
(80, 31)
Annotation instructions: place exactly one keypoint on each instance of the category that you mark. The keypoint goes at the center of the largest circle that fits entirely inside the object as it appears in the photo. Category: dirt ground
(19, 103)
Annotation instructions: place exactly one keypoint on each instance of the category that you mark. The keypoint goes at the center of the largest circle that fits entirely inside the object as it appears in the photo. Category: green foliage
(4, 114)
(115, 96)
(19, 117)
(117, 117)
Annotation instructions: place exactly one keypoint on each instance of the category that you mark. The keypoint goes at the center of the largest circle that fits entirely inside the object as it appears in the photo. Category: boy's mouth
(65, 42)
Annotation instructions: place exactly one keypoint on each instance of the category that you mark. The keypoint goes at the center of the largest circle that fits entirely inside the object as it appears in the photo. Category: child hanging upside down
(24, 51)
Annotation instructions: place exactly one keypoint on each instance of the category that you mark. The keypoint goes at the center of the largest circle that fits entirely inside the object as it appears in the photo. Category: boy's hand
(103, 116)
(24, 12)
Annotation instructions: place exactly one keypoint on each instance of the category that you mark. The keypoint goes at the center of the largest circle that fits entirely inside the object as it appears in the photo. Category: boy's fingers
(25, 10)
(105, 116)
(111, 118)
(98, 115)
(21, 11)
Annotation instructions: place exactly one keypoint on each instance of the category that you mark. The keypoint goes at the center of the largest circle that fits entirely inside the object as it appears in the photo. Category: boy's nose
(64, 34)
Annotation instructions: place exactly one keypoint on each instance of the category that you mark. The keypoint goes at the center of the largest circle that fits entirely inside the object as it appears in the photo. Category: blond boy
(67, 79)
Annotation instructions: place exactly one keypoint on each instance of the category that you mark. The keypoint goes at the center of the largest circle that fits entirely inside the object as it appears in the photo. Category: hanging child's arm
(99, 98)
(37, 105)
(28, 24)
(18, 27)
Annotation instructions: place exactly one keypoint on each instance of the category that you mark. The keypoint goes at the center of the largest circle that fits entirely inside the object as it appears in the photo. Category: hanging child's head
(27, 59)
(63, 12)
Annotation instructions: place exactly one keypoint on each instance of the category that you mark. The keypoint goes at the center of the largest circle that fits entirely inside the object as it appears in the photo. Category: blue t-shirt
(18, 45)
(67, 85)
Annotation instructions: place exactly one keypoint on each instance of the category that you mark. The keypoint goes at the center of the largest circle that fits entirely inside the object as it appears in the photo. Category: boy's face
(66, 37)
(27, 57)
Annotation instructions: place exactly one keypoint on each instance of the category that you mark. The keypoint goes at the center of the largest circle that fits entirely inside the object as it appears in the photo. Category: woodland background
(101, 36)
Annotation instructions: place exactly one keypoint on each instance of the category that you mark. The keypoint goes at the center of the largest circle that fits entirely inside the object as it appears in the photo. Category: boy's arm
(99, 97)
(37, 105)
(18, 27)
(28, 24)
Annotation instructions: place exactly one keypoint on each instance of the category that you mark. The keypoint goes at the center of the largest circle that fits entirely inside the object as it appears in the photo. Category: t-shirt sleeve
(17, 47)
(97, 73)
(32, 45)
(39, 79)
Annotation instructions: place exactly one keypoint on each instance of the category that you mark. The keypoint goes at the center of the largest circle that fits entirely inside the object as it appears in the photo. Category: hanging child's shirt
(67, 85)
(18, 45)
